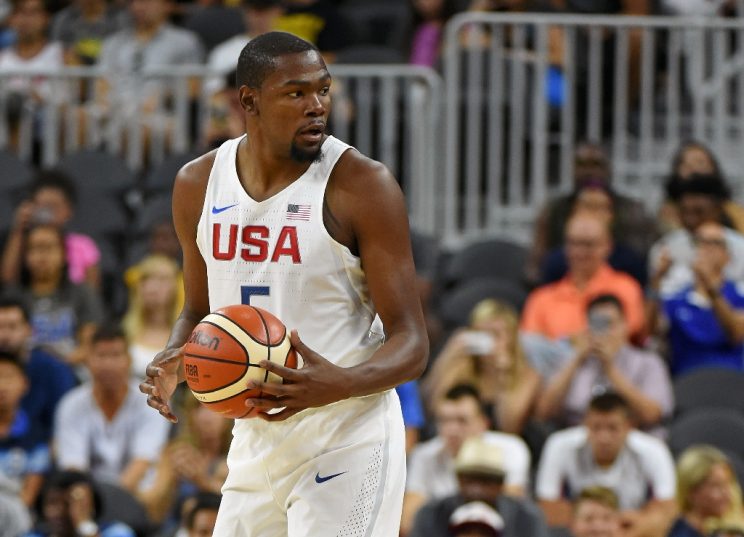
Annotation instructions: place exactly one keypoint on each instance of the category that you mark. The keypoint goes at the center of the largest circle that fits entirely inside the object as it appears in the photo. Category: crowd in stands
(560, 414)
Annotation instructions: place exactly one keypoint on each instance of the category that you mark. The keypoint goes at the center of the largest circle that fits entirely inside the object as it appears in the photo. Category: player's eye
(325, 91)
(295, 94)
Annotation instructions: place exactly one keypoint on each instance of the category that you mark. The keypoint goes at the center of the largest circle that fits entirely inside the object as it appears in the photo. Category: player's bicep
(382, 234)
(188, 198)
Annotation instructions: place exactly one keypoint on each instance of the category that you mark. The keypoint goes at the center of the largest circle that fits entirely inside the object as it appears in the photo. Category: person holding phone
(488, 355)
(603, 361)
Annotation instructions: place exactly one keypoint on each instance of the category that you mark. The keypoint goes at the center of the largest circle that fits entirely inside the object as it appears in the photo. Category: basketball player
(295, 221)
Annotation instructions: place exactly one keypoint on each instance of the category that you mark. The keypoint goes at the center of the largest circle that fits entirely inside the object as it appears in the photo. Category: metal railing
(390, 113)
(523, 89)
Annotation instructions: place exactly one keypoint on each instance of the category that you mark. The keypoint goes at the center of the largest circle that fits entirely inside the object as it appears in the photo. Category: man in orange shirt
(558, 310)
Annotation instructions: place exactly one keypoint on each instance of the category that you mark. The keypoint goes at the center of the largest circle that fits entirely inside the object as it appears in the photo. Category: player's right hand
(163, 375)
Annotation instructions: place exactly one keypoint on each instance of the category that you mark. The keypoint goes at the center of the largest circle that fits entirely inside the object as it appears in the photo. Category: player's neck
(262, 171)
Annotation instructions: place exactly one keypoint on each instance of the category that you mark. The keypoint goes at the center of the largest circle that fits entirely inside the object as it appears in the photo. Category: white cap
(476, 514)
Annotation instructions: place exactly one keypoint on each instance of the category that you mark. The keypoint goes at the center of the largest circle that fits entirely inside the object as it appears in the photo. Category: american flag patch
(298, 212)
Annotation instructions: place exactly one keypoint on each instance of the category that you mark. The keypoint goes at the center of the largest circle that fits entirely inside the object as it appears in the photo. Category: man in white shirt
(105, 426)
(606, 451)
(431, 466)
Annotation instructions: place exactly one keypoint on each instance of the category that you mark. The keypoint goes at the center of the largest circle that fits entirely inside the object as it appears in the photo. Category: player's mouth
(313, 133)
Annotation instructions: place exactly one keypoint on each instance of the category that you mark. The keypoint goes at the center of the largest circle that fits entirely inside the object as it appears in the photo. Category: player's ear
(247, 98)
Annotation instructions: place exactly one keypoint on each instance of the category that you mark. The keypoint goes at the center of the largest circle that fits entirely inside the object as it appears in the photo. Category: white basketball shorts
(334, 471)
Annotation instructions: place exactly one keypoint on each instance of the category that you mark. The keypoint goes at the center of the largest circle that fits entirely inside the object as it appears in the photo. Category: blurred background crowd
(586, 382)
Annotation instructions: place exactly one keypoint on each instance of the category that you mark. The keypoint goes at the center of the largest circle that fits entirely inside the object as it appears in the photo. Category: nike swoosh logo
(218, 210)
(319, 479)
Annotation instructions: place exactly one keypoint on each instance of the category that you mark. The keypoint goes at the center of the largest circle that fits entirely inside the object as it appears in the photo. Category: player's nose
(315, 107)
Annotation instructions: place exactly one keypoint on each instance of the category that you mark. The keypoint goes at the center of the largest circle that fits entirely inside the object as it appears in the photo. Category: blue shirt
(48, 380)
(696, 337)
(24, 451)
(410, 403)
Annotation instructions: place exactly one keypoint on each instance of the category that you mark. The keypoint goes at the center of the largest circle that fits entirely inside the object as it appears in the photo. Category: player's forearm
(401, 358)
(182, 329)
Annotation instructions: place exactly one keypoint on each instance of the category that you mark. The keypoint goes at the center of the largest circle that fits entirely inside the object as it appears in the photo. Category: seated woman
(695, 159)
(489, 356)
(599, 200)
(194, 461)
(155, 301)
(708, 493)
(63, 314)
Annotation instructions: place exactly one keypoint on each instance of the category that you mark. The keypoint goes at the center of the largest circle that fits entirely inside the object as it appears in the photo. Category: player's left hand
(317, 383)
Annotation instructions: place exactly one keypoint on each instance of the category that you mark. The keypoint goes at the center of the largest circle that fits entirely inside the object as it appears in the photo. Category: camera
(599, 323)
(479, 343)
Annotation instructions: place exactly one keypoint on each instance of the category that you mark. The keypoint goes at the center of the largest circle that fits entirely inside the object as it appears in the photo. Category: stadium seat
(6, 215)
(100, 214)
(15, 176)
(96, 170)
(709, 387)
(455, 304)
(214, 24)
(492, 258)
(384, 24)
(160, 178)
(719, 427)
(154, 211)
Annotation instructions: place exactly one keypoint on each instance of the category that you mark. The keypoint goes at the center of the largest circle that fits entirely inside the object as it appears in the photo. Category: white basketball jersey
(277, 255)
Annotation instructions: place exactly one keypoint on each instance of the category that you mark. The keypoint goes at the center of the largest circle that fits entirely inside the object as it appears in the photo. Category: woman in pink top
(429, 18)
(52, 201)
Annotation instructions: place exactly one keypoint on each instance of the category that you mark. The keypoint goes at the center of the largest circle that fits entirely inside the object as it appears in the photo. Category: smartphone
(599, 323)
(479, 343)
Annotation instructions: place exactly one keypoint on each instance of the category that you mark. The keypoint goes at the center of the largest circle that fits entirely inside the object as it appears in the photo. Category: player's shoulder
(357, 172)
(196, 172)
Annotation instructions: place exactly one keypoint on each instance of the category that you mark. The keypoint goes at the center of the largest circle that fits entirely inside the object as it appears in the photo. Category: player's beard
(301, 155)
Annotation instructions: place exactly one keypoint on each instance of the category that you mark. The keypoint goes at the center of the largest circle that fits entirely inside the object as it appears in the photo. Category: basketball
(223, 352)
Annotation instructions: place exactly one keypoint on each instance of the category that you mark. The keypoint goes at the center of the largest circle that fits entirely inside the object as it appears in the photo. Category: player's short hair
(259, 57)
(204, 501)
(608, 402)
(14, 301)
(109, 332)
(57, 180)
(601, 495)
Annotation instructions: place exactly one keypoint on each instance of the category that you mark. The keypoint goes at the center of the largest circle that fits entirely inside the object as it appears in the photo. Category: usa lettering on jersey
(257, 244)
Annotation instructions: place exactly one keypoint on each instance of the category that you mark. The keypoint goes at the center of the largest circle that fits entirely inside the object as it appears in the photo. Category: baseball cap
(476, 515)
(478, 457)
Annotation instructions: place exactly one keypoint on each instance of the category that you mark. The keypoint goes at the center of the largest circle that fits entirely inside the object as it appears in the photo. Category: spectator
(431, 469)
(700, 200)
(194, 461)
(82, 26)
(597, 199)
(476, 519)
(558, 310)
(317, 21)
(48, 377)
(225, 114)
(596, 514)
(429, 19)
(707, 493)
(696, 159)
(155, 301)
(480, 476)
(489, 356)
(704, 322)
(14, 516)
(202, 516)
(24, 453)
(71, 507)
(52, 201)
(31, 51)
(105, 425)
(606, 451)
(150, 43)
(258, 17)
(63, 314)
(605, 360)
(591, 168)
